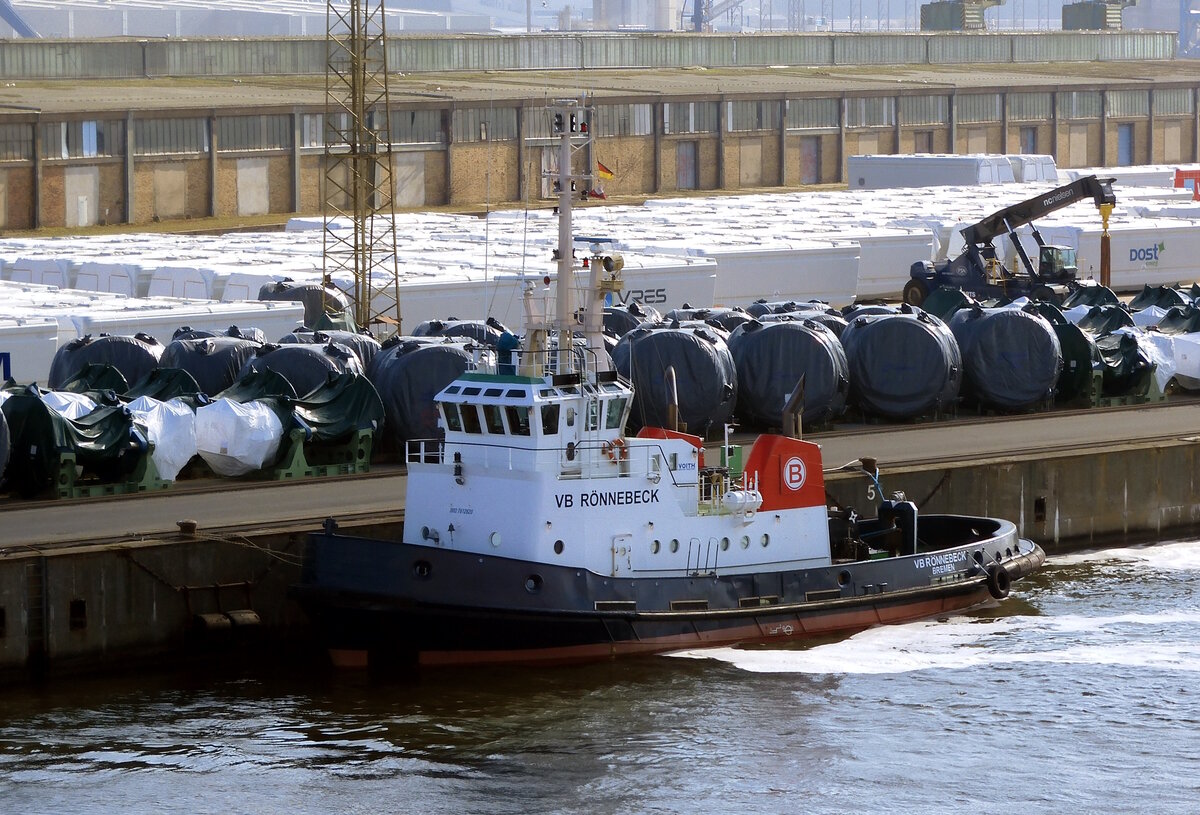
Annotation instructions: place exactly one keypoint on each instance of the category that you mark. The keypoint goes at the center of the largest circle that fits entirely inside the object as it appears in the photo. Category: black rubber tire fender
(999, 583)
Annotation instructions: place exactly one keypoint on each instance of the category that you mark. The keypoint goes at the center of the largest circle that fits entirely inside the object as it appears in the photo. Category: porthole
(422, 569)
(674, 545)
(843, 577)
(533, 583)
(654, 547)
(765, 539)
(558, 547)
(495, 539)
(724, 544)
(745, 541)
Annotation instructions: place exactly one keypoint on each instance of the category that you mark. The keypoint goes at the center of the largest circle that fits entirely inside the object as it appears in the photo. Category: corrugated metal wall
(116, 59)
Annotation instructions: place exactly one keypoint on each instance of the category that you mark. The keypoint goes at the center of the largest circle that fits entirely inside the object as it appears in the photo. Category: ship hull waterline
(379, 602)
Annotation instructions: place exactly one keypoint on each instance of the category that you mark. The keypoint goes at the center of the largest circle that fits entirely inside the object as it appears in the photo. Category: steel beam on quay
(94, 583)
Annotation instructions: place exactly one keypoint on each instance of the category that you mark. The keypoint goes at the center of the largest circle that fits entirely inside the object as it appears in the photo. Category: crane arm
(1008, 219)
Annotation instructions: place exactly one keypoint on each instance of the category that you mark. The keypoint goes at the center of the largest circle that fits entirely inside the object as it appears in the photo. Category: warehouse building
(127, 131)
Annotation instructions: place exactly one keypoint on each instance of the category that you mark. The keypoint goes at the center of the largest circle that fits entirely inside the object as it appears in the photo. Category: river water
(1080, 693)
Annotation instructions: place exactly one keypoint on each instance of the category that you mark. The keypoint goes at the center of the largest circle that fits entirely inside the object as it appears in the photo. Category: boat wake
(1132, 636)
(1178, 556)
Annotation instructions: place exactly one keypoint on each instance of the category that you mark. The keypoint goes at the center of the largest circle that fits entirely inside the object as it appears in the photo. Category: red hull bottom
(749, 632)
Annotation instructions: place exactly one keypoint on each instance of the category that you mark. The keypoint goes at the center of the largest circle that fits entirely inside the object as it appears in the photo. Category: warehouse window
(1079, 105)
(812, 114)
(417, 127)
(153, 137)
(242, 133)
(1129, 104)
(624, 120)
(690, 117)
(980, 107)
(871, 112)
(484, 124)
(1030, 107)
(86, 139)
(313, 129)
(744, 116)
(924, 110)
(16, 142)
(1174, 102)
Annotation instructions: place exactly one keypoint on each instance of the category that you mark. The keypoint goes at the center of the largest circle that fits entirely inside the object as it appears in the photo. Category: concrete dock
(96, 582)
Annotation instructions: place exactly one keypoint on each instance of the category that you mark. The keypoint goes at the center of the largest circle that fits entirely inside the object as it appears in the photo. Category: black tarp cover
(96, 376)
(902, 365)
(305, 366)
(867, 309)
(317, 300)
(188, 333)
(706, 378)
(770, 359)
(344, 404)
(1081, 360)
(1047, 311)
(257, 385)
(760, 308)
(214, 362)
(1105, 319)
(164, 384)
(408, 373)
(1180, 320)
(363, 345)
(486, 331)
(1090, 294)
(1128, 368)
(4, 445)
(104, 442)
(620, 320)
(830, 318)
(727, 319)
(132, 356)
(1011, 358)
(945, 300)
(1162, 296)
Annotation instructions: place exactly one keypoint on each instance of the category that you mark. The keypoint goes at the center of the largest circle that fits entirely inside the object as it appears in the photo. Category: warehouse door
(810, 159)
(1125, 144)
(685, 165)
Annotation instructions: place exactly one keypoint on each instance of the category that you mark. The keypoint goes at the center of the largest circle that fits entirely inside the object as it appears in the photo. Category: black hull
(385, 601)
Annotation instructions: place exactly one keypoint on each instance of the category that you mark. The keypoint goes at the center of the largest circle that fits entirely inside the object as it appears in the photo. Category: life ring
(998, 581)
(616, 450)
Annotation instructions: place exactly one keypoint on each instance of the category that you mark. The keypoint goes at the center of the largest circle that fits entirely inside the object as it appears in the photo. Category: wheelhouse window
(450, 414)
(550, 420)
(494, 416)
(518, 419)
(612, 417)
(470, 419)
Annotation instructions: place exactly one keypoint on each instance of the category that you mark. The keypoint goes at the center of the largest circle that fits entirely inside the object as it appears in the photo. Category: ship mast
(571, 124)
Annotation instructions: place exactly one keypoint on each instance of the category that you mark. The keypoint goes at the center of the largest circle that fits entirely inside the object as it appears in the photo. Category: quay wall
(98, 606)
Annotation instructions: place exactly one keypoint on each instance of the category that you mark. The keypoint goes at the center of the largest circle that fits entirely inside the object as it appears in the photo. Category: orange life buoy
(616, 450)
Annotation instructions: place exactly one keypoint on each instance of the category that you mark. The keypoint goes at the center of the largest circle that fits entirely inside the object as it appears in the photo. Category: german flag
(603, 172)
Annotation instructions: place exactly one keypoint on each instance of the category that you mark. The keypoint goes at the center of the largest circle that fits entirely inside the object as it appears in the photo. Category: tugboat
(537, 531)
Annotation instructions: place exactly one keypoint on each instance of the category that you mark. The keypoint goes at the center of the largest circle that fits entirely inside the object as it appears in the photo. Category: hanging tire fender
(999, 583)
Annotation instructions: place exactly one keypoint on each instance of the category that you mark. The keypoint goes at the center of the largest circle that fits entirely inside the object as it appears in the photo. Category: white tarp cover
(171, 428)
(234, 438)
(69, 405)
